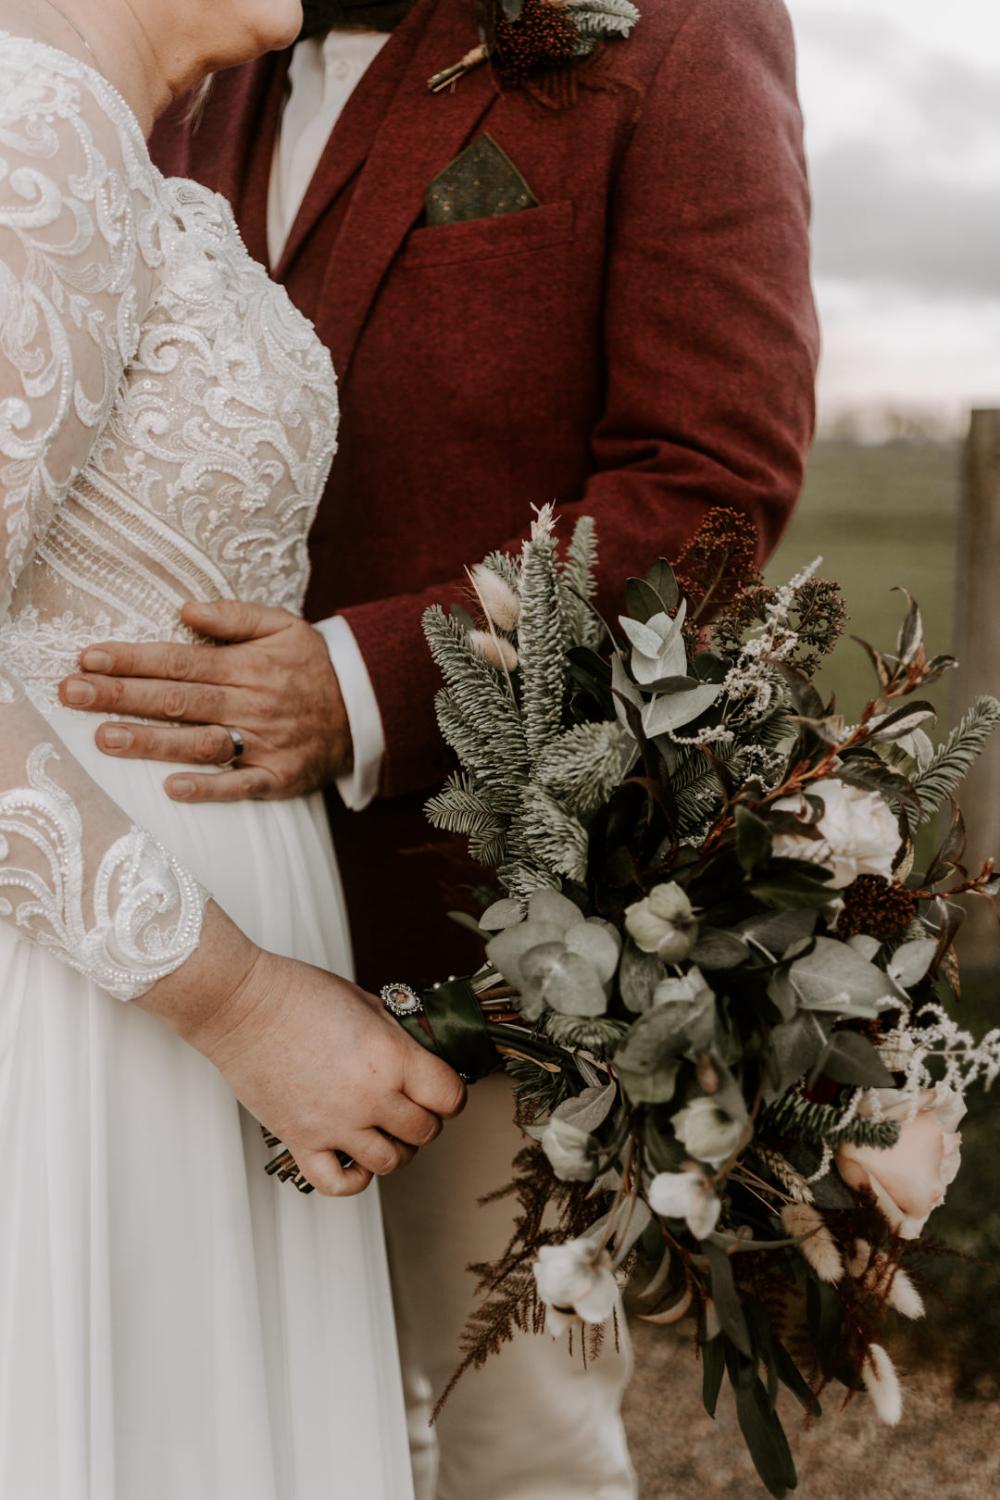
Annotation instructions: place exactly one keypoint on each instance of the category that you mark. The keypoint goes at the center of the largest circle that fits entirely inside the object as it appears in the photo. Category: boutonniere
(521, 38)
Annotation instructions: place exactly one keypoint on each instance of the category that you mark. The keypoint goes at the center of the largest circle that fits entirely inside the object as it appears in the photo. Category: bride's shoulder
(59, 111)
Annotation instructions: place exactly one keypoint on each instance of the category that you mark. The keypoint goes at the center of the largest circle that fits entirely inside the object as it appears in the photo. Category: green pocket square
(479, 184)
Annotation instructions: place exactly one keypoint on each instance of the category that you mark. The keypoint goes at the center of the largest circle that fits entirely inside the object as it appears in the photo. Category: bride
(172, 1322)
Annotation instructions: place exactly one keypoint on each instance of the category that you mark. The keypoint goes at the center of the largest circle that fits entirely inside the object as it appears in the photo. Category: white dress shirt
(323, 74)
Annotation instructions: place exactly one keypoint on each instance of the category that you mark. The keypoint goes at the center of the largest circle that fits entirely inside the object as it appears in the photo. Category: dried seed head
(882, 1384)
(493, 650)
(820, 1248)
(496, 596)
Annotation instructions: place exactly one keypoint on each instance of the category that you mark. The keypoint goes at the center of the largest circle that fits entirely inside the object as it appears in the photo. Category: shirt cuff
(359, 786)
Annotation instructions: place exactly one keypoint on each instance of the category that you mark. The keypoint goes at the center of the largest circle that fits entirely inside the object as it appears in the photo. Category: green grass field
(880, 517)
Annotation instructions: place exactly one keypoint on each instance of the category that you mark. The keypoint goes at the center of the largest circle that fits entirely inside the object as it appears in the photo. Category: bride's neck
(121, 39)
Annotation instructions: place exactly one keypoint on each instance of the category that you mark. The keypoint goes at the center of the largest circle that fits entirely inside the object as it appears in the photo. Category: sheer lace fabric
(167, 423)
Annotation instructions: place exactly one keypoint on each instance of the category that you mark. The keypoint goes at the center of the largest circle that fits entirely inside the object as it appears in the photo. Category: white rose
(858, 834)
(663, 923)
(686, 1195)
(575, 1281)
(710, 1134)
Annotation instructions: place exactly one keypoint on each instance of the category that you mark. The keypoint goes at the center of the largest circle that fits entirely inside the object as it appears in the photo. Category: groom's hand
(270, 678)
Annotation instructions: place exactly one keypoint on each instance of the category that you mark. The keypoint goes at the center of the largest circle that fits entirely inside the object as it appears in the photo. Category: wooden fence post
(978, 650)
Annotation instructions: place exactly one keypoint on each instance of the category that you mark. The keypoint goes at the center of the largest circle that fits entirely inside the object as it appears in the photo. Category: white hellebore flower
(686, 1195)
(575, 1281)
(710, 1134)
(858, 833)
(663, 923)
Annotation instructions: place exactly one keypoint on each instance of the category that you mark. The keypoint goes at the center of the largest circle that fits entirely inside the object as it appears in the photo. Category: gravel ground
(943, 1449)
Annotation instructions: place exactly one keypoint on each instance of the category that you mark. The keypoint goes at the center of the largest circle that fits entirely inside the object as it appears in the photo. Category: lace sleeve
(76, 875)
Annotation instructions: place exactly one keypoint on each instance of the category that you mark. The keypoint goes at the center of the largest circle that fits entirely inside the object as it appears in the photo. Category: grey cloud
(956, 101)
(879, 218)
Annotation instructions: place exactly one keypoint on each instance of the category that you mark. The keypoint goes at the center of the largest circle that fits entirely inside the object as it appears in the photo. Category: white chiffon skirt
(173, 1324)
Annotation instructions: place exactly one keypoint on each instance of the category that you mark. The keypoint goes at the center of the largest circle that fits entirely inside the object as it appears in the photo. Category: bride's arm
(308, 1053)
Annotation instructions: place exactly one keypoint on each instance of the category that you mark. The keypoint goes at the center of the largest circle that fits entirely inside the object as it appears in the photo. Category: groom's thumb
(232, 621)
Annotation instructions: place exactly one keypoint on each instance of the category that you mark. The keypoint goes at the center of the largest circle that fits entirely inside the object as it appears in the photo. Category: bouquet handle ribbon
(448, 1020)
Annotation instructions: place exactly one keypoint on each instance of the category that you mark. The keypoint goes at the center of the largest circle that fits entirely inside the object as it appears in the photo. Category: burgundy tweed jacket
(641, 347)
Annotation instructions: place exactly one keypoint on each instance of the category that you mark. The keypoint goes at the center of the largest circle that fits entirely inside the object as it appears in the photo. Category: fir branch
(580, 585)
(823, 1124)
(955, 758)
(542, 638)
(585, 765)
(555, 839)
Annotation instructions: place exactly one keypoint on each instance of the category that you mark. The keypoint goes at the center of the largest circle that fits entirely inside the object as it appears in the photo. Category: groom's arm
(710, 341)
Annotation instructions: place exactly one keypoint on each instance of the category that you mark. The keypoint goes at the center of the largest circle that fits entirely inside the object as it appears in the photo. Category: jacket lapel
(419, 135)
(351, 141)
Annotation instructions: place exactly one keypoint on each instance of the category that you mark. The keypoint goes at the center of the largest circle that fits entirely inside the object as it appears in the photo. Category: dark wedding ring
(239, 745)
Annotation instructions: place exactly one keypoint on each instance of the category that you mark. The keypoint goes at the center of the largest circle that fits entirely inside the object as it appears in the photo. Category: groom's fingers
(144, 698)
(233, 621)
(250, 784)
(201, 745)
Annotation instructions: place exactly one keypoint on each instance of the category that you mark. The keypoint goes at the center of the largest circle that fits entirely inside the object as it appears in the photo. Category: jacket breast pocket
(480, 239)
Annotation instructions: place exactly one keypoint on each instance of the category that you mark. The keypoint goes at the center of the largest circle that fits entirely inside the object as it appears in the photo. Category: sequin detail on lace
(146, 910)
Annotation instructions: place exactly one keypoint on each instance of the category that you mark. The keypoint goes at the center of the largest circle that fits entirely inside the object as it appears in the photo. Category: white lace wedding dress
(173, 1324)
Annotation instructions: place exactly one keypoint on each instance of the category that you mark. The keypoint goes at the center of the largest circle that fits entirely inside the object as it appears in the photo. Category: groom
(596, 293)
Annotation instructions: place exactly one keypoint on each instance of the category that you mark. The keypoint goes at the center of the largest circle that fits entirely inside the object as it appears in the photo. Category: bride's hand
(318, 1061)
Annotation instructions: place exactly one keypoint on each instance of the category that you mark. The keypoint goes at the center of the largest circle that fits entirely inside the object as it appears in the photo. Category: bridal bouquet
(720, 975)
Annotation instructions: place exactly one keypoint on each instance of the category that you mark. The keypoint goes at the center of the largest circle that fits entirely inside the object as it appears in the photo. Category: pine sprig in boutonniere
(525, 38)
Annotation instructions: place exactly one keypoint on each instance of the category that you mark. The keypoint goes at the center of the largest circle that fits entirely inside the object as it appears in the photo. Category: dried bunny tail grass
(882, 1385)
(879, 1276)
(494, 650)
(804, 1222)
(499, 601)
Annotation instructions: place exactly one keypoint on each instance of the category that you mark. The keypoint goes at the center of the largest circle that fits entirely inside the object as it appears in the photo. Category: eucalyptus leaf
(716, 949)
(665, 714)
(589, 1109)
(638, 977)
(507, 950)
(851, 1059)
(833, 977)
(661, 578)
(649, 1060)
(562, 980)
(502, 914)
(753, 839)
(642, 601)
(794, 1049)
(777, 931)
(910, 963)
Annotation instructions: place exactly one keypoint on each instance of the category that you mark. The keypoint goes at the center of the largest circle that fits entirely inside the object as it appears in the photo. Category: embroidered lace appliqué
(167, 424)
(146, 911)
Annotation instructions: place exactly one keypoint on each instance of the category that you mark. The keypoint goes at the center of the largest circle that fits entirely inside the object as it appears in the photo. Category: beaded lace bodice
(167, 423)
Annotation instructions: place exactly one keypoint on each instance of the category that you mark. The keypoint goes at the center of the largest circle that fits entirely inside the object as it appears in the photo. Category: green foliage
(584, 765)
(823, 1124)
(580, 585)
(543, 638)
(956, 757)
(460, 808)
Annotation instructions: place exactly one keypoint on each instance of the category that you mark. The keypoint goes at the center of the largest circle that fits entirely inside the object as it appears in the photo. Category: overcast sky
(902, 104)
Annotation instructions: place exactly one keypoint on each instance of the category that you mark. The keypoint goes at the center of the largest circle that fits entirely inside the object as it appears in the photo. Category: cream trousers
(534, 1424)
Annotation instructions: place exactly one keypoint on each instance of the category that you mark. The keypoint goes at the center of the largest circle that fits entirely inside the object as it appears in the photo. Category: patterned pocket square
(479, 184)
